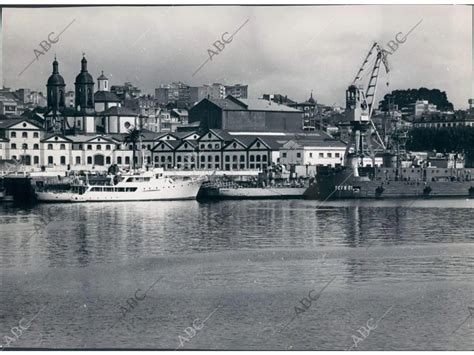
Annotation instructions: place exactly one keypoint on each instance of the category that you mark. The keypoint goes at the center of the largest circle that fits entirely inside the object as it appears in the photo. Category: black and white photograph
(236, 177)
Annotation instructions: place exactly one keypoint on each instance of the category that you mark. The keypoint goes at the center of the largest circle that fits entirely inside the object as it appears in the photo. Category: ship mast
(360, 106)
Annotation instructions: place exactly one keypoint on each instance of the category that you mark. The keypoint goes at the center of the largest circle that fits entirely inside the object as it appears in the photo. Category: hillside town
(215, 126)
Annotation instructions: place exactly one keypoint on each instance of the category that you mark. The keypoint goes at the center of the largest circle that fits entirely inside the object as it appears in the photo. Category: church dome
(56, 79)
(84, 77)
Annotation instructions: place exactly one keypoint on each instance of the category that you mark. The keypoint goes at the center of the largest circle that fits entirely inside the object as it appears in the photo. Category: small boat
(245, 190)
(147, 186)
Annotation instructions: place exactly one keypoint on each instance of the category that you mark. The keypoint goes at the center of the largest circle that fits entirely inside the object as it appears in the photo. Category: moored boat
(147, 186)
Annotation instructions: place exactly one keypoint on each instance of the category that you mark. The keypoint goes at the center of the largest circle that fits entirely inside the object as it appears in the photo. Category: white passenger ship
(148, 186)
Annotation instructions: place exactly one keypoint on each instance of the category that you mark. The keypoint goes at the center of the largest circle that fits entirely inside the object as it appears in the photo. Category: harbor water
(283, 275)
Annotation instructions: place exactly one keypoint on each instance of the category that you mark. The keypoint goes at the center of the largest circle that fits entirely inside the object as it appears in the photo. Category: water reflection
(255, 258)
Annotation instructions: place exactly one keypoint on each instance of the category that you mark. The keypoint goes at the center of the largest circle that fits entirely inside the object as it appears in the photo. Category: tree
(133, 137)
(403, 98)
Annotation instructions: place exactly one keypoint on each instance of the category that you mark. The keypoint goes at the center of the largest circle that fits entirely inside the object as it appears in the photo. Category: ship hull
(185, 191)
(340, 184)
(251, 193)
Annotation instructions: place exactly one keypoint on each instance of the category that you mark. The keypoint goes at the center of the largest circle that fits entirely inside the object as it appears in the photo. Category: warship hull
(341, 184)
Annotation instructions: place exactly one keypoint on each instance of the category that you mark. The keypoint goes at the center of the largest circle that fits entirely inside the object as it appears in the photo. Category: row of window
(24, 134)
(61, 146)
(169, 165)
(321, 155)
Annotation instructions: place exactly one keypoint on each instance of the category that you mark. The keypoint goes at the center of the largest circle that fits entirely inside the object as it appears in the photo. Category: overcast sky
(287, 50)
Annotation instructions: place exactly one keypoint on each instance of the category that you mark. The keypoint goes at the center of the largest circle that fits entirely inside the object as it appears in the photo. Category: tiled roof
(265, 105)
(5, 123)
(105, 96)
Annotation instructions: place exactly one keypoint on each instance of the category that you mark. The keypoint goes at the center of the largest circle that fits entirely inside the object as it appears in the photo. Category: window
(89, 147)
(310, 155)
(24, 135)
(337, 155)
(107, 160)
(209, 146)
(216, 159)
(35, 160)
(63, 160)
(107, 147)
(127, 160)
(24, 146)
(258, 157)
(163, 159)
(252, 158)
(99, 147)
(227, 159)
(329, 155)
(62, 146)
(50, 146)
(283, 155)
(321, 155)
(178, 158)
(119, 160)
(36, 146)
(203, 158)
(13, 134)
(89, 160)
(78, 160)
(298, 155)
(50, 160)
(264, 158)
(242, 158)
(35, 135)
(216, 146)
(13, 146)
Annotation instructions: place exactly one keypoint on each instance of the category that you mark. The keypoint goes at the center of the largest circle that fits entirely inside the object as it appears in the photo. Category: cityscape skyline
(134, 55)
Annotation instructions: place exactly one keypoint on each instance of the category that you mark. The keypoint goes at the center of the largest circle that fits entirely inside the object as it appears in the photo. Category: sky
(289, 50)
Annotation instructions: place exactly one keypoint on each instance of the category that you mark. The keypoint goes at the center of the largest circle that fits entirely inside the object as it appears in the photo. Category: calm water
(245, 266)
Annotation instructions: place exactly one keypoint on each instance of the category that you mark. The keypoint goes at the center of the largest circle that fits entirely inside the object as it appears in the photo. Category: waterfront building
(227, 150)
(251, 115)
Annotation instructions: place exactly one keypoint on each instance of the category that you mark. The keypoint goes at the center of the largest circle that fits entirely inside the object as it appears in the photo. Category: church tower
(55, 89)
(102, 83)
(55, 92)
(84, 89)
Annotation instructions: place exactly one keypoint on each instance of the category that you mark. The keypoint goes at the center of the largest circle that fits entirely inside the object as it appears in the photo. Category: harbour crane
(360, 105)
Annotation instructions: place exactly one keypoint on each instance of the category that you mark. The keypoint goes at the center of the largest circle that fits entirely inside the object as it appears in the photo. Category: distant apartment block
(8, 106)
(126, 91)
(238, 91)
(187, 96)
